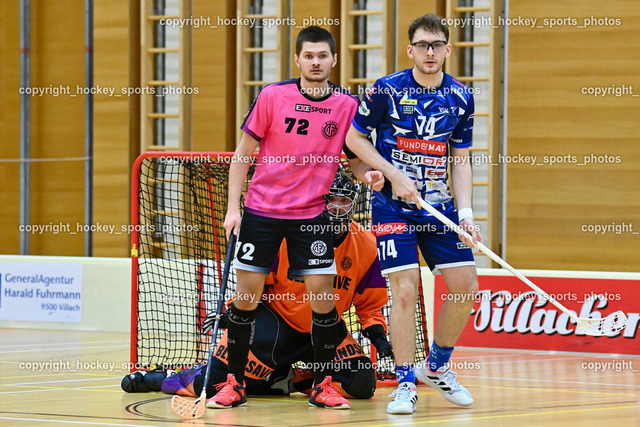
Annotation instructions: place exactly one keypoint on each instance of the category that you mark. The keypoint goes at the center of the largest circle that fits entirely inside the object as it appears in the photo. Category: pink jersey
(301, 140)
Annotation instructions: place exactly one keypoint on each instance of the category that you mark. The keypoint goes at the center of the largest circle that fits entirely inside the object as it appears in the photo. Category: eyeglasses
(437, 45)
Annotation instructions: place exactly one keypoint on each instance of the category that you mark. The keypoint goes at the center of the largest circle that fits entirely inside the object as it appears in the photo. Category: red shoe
(325, 395)
(230, 394)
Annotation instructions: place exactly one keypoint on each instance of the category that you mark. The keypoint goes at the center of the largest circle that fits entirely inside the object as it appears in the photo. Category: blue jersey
(414, 127)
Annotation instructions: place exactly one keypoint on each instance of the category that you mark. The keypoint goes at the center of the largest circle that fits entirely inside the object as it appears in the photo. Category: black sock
(240, 336)
(325, 331)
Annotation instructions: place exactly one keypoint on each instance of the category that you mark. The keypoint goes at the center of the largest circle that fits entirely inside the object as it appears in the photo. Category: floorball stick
(614, 322)
(192, 409)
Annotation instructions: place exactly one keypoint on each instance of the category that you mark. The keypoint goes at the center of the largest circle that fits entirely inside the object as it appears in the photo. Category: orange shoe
(231, 394)
(325, 395)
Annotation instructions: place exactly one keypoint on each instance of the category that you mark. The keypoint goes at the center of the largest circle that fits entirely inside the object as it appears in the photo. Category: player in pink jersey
(301, 140)
(300, 125)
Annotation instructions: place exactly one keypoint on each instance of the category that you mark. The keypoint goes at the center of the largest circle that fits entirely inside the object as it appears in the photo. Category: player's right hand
(232, 222)
(375, 179)
(404, 187)
(469, 225)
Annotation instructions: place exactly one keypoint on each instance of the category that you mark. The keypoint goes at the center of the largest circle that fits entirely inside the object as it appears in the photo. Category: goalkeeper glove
(378, 338)
(210, 321)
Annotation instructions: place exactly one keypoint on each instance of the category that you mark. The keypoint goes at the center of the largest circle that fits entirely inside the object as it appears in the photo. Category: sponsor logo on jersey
(318, 248)
(406, 101)
(363, 109)
(321, 110)
(451, 111)
(346, 263)
(407, 109)
(418, 159)
(422, 146)
(329, 129)
(432, 173)
(306, 108)
(320, 261)
(461, 245)
(389, 228)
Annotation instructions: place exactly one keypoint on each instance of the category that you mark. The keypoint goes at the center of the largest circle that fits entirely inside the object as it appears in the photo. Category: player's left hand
(375, 179)
(470, 226)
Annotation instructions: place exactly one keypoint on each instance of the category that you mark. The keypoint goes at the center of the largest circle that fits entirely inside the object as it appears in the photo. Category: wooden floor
(54, 378)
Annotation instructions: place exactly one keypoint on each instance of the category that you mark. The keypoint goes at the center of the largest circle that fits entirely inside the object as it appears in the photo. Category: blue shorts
(400, 235)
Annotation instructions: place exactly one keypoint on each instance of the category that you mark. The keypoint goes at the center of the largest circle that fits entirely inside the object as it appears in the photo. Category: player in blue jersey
(423, 120)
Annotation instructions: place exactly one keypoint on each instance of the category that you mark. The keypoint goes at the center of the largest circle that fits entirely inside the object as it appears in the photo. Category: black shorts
(309, 244)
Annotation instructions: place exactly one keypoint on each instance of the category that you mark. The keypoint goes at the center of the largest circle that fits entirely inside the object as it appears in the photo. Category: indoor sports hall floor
(73, 378)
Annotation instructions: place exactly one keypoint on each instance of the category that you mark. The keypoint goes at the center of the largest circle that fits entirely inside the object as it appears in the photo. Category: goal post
(178, 249)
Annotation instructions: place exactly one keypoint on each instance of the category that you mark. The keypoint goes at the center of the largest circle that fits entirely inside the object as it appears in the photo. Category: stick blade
(188, 409)
(615, 322)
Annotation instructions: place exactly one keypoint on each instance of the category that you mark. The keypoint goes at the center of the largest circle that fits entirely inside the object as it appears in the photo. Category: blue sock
(405, 373)
(438, 357)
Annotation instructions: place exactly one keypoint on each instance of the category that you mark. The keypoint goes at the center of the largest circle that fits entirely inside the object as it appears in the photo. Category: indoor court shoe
(405, 399)
(444, 380)
(325, 395)
(231, 394)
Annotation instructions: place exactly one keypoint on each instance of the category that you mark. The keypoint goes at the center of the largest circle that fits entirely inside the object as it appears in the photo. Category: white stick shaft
(488, 252)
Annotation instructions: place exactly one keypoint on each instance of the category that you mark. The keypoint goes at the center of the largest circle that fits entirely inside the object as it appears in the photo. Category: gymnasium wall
(214, 75)
(9, 128)
(112, 147)
(553, 210)
(57, 124)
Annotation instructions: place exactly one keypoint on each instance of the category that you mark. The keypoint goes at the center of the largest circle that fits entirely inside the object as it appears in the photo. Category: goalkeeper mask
(341, 202)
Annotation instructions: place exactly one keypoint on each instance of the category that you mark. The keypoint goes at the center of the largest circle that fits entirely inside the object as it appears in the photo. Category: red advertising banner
(509, 314)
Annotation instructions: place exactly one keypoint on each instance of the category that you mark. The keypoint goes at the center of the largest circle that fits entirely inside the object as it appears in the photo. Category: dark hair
(315, 34)
(432, 23)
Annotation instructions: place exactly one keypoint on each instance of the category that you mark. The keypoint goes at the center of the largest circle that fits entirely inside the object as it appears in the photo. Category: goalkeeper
(282, 334)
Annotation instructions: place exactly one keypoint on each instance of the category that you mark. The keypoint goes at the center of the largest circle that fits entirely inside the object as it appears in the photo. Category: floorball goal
(178, 249)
